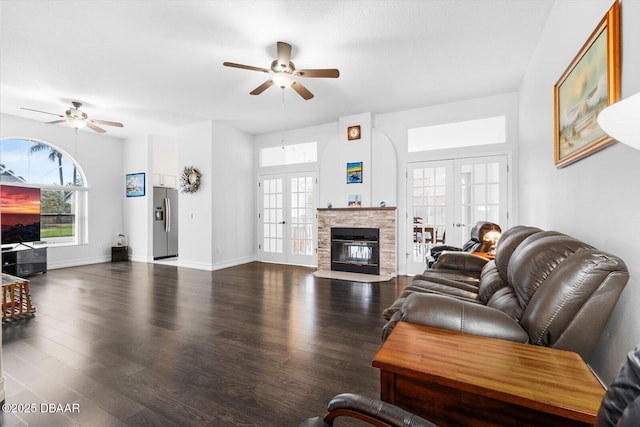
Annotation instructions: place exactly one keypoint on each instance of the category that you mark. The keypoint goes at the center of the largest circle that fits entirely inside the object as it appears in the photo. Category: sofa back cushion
(508, 243)
(536, 258)
(567, 289)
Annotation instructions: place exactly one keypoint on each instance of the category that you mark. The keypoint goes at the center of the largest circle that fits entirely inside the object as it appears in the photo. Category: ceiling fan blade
(245, 67)
(107, 122)
(302, 91)
(40, 111)
(264, 86)
(328, 72)
(96, 128)
(55, 122)
(284, 54)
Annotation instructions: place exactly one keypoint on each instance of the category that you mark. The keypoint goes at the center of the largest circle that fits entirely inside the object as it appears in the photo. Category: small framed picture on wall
(354, 173)
(135, 186)
(355, 201)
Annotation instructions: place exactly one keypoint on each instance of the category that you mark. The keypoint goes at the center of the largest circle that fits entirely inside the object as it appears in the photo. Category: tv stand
(24, 260)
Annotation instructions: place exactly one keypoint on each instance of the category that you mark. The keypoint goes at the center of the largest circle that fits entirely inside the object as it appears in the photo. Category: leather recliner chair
(620, 405)
(476, 243)
(543, 288)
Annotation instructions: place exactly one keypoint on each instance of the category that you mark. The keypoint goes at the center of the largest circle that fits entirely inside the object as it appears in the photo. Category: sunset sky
(20, 200)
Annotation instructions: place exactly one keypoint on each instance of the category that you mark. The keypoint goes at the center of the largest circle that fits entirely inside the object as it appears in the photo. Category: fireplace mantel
(358, 209)
(382, 218)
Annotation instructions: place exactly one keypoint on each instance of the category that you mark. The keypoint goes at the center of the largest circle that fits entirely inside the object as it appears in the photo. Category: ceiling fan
(78, 119)
(284, 73)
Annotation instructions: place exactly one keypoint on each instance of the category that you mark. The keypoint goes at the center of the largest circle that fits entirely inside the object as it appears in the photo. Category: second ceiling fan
(284, 73)
(77, 119)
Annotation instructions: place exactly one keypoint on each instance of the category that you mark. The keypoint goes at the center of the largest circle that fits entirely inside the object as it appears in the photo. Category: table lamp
(621, 121)
(492, 236)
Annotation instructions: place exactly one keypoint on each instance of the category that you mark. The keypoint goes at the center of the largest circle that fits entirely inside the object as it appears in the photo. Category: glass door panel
(302, 230)
(287, 219)
(482, 186)
(272, 216)
(447, 198)
(428, 205)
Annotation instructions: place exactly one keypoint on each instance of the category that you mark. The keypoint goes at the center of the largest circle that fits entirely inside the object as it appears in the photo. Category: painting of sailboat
(589, 85)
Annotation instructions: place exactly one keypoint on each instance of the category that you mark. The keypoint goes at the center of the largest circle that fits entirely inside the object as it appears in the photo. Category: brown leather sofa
(543, 288)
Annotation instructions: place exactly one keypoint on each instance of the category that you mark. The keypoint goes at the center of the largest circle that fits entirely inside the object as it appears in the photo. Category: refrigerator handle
(167, 217)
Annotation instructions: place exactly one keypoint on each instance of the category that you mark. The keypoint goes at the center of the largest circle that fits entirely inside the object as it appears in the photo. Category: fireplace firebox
(355, 250)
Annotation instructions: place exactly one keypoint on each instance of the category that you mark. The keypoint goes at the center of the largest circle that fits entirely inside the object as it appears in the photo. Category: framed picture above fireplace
(354, 173)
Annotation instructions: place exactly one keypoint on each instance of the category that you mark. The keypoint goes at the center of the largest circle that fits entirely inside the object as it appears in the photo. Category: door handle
(282, 222)
(167, 217)
(458, 225)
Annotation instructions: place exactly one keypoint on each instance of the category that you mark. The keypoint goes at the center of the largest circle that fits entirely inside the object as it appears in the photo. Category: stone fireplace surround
(382, 218)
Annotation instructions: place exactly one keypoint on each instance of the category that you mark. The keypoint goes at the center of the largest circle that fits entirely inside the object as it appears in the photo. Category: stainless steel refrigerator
(165, 222)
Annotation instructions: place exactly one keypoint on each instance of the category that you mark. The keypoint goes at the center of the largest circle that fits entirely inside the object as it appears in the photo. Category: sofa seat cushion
(424, 286)
(453, 275)
(440, 311)
(465, 262)
(447, 280)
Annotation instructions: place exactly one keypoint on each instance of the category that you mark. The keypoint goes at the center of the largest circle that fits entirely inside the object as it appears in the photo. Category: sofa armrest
(460, 316)
(393, 321)
(463, 261)
(372, 411)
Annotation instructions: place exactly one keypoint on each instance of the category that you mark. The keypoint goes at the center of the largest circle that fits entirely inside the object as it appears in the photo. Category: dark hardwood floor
(134, 344)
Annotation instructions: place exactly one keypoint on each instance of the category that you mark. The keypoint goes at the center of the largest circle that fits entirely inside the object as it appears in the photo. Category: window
(492, 130)
(61, 182)
(289, 154)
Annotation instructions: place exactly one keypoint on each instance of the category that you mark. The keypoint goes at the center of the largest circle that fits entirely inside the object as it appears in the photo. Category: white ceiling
(155, 65)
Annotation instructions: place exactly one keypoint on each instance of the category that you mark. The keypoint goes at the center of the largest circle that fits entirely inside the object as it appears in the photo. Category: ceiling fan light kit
(78, 119)
(283, 73)
(75, 118)
(283, 80)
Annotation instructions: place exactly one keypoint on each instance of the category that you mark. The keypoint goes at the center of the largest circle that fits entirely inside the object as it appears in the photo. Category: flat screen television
(19, 214)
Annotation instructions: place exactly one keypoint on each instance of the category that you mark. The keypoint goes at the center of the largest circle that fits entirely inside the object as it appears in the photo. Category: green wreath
(190, 180)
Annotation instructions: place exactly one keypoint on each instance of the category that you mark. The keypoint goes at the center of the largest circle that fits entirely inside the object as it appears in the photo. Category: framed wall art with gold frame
(589, 84)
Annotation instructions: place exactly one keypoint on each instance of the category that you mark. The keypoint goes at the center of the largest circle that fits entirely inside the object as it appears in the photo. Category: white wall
(217, 223)
(137, 210)
(594, 199)
(196, 209)
(100, 157)
(384, 164)
(234, 201)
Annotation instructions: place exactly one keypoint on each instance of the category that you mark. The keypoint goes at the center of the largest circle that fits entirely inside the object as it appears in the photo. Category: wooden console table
(16, 299)
(455, 379)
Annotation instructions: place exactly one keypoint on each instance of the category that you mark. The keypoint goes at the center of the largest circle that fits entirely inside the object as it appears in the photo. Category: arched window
(28, 164)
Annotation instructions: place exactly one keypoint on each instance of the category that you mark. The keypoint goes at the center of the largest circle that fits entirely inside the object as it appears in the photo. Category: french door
(446, 198)
(287, 218)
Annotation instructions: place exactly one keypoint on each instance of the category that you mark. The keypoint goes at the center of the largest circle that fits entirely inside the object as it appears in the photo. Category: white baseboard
(53, 265)
(179, 263)
(233, 262)
(205, 266)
